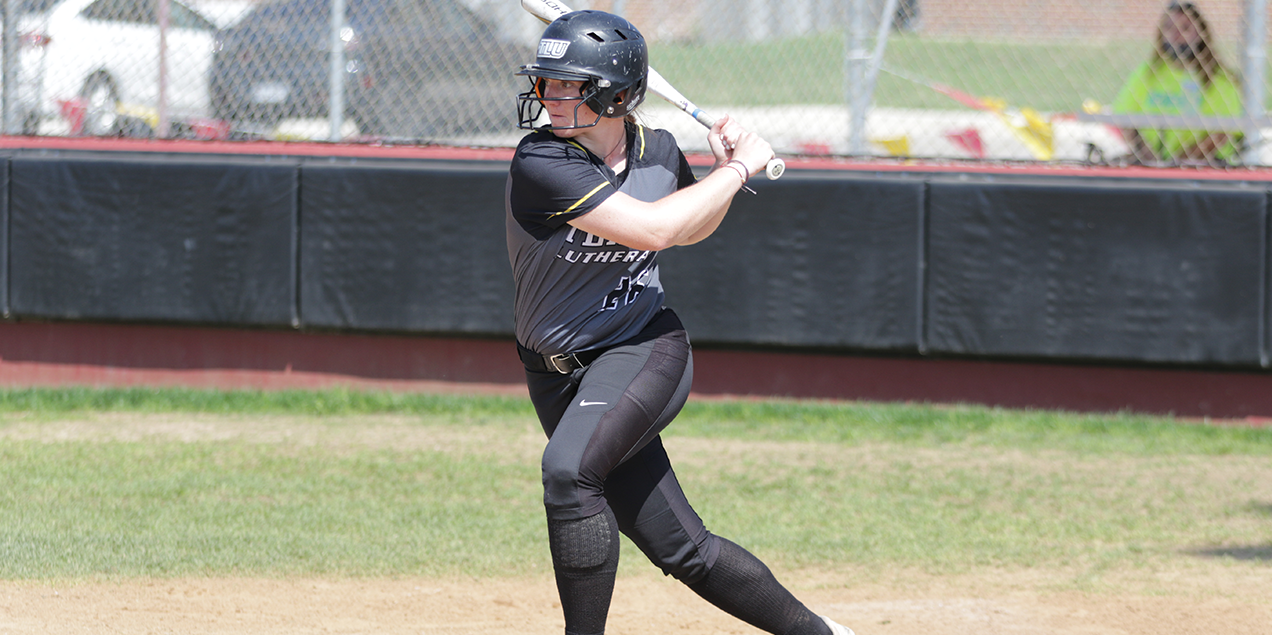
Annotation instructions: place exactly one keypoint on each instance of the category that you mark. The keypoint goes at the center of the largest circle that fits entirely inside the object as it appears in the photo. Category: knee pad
(585, 543)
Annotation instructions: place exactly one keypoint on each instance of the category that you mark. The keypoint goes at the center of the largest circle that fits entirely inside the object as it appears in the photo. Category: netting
(1116, 83)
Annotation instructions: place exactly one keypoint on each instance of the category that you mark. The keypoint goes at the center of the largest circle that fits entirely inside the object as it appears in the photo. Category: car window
(183, 17)
(371, 12)
(301, 11)
(448, 18)
(130, 11)
(36, 6)
(427, 16)
(145, 12)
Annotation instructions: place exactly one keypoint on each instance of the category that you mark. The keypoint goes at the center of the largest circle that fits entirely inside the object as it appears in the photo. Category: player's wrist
(739, 168)
(736, 167)
(742, 168)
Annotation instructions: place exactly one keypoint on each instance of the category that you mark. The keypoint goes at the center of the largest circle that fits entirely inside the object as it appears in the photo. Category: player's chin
(565, 128)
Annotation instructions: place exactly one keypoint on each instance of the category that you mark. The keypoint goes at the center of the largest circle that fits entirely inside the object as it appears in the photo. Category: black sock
(743, 587)
(585, 557)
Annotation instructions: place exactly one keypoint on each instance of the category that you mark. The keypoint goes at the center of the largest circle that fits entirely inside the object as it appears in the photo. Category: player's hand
(729, 140)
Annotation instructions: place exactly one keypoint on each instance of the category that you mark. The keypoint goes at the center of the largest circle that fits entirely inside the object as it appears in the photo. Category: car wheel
(102, 101)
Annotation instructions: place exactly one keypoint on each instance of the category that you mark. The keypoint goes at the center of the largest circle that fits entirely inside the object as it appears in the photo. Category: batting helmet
(602, 50)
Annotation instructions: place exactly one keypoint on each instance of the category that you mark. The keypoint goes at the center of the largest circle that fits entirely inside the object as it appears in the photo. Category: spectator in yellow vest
(1182, 77)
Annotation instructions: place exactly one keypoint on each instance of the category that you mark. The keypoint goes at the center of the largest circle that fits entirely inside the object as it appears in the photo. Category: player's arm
(690, 214)
(687, 216)
(712, 223)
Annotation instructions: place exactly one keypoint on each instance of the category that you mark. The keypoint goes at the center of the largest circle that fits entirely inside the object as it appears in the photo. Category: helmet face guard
(602, 51)
(530, 104)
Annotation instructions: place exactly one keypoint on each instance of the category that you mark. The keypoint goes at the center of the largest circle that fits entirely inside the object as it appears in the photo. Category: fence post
(876, 59)
(10, 70)
(1253, 60)
(336, 71)
(162, 128)
(856, 60)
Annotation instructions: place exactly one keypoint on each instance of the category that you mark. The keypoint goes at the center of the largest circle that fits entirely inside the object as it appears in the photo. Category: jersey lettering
(589, 240)
(611, 257)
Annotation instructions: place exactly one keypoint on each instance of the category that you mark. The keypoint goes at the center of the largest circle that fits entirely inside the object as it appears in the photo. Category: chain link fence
(1022, 81)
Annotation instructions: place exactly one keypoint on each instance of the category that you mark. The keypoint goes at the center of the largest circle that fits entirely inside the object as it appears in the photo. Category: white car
(103, 55)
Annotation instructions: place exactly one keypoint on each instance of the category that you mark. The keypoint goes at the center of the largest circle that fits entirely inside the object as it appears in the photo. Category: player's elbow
(655, 240)
(658, 231)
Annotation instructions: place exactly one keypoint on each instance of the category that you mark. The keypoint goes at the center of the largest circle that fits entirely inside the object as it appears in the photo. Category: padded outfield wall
(1068, 288)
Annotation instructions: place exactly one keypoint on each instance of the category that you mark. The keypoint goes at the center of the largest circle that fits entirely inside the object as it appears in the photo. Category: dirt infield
(1226, 593)
(1213, 600)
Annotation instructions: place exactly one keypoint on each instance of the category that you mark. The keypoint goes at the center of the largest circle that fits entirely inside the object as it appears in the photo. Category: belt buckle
(564, 363)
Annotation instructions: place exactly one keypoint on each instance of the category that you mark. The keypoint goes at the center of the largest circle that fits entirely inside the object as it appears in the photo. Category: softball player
(591, 199)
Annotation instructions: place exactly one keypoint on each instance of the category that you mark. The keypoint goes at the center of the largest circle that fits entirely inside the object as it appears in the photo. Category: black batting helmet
(602, 50)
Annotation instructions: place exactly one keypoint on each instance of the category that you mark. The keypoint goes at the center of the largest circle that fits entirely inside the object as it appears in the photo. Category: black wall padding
(416, 248)
(1144, 273)
(814, 259)
(193, 241)
(4, 237)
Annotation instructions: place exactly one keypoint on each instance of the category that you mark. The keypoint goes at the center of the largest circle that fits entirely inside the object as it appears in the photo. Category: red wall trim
(1087, 388)
(503, 155)
(127, 355)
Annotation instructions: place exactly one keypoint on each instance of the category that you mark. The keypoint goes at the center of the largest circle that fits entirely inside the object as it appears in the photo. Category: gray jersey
(575, 291)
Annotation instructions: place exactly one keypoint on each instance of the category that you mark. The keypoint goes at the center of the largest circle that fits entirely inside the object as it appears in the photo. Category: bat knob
(775, 169)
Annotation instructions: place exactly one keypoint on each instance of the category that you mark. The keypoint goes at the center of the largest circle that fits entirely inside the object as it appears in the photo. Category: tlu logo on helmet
(553, 49)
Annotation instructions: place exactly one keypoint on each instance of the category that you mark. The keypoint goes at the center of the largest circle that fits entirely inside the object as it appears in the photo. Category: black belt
(565, 363)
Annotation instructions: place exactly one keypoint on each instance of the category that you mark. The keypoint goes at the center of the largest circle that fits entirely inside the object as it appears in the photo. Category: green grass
(781, 420)
(802, 483)
(934, 426)
(1049, 77)
(167, 509)
(57, 402)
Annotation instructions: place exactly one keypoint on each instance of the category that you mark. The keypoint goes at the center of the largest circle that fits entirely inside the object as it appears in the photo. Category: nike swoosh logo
(591, 403)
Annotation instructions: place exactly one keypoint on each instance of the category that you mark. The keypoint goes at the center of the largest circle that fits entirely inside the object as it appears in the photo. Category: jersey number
(626, 291)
